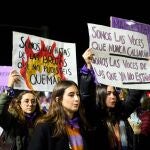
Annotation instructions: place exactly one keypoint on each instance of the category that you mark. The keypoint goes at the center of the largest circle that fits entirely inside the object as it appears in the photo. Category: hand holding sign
(14, 77)
(88, 57)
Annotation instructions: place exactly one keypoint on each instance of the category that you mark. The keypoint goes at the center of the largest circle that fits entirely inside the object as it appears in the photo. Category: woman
(18, 115)
(64, 126)
(144, 116)
(110, 113)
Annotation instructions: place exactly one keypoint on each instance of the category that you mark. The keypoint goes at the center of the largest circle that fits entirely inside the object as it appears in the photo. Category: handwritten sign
(42, 62)
(120, 57)
(131, 25)
(4, 73)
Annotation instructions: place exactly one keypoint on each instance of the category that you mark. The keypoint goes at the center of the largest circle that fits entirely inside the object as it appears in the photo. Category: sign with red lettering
(42, 62)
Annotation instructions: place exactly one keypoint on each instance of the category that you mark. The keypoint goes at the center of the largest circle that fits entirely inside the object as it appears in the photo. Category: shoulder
(44, 127)
(4, 97)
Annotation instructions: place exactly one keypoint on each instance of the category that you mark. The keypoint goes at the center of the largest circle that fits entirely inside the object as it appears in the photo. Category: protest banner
(131, 25)
(4, 73)
(120, 57)
(42, 62)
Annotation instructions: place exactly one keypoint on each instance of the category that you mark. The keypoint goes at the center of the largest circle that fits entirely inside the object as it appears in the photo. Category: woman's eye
(114, 93)
(26, 101)
(108, 93)
(78, 94)
(33, 101)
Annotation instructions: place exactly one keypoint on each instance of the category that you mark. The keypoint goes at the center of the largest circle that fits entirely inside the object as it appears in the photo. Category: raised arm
(6, 97)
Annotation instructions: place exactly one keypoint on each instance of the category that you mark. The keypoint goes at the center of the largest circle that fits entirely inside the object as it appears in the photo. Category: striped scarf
(73, 131)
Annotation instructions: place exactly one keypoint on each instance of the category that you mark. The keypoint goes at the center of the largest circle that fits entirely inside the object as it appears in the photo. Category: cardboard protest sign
(120, 57)
(4, 73)
(42, 62)
(132, 25)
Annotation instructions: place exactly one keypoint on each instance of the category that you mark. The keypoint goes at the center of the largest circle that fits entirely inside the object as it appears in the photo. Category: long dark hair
(56, 114)
(101, 95)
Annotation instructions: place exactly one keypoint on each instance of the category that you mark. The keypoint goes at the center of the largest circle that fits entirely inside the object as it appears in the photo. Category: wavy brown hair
(56, 114)
(16, 110)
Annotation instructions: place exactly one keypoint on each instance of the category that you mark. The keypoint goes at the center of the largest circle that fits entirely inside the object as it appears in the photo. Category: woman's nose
(113, 95)
(30, 103)
(76, 97)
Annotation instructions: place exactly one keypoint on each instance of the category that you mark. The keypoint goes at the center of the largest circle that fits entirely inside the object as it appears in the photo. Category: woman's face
(111, 97)
(28, 103)
(71, 100)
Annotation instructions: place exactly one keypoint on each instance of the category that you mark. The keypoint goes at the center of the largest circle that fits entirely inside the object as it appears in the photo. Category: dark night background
(66, 24)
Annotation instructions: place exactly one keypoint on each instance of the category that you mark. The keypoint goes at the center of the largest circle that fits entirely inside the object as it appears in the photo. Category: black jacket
(97, 117)
(16, 132)
(43, 140)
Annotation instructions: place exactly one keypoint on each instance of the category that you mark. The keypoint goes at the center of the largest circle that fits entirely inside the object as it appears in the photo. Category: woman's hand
(88, 57)
(13, 77)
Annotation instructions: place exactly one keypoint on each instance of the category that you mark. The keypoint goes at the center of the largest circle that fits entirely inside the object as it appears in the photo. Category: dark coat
(43, 140)
(16, 132)
(97, 117)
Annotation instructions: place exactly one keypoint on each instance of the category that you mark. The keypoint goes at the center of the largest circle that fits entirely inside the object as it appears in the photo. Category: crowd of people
(88, 116)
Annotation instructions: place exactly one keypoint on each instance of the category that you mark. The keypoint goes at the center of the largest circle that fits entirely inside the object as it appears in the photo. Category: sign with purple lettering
(131, 25)
(4, 72)
(121, 57)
